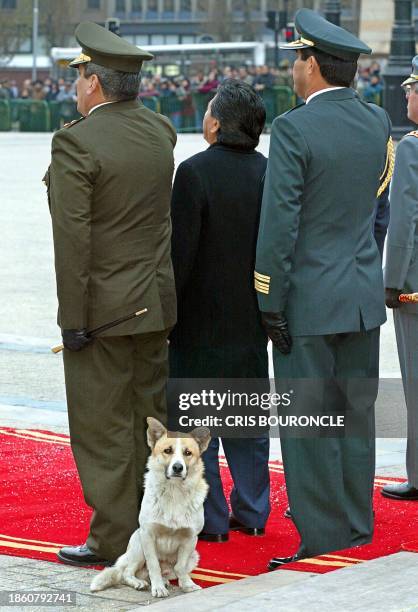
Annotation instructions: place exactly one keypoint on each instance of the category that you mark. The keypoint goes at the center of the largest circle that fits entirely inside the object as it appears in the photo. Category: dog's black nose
(177, 468)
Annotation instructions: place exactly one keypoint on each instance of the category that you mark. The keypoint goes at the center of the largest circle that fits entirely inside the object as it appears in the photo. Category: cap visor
(76, 62)
(410, 80)
(295, 45)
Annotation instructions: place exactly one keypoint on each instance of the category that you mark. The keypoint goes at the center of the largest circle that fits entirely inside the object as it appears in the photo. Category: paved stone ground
(387, 584)
(32, 394)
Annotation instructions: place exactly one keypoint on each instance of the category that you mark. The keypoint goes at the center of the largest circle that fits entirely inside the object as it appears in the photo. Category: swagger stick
(102, 328)
(408, 297)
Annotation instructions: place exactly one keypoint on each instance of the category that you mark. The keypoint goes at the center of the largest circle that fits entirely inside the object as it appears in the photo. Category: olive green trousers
(112, 386)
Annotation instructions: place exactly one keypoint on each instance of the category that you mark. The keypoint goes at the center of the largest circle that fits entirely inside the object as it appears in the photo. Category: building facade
(157, 22)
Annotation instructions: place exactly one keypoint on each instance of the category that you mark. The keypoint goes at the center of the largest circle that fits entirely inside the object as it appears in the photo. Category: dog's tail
(111, 576)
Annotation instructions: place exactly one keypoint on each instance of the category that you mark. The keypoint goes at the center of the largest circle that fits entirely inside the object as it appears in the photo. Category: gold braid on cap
(388, 171)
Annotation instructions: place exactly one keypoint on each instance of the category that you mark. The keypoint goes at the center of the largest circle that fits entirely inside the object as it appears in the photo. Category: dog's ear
(155, 431)
(202, 437)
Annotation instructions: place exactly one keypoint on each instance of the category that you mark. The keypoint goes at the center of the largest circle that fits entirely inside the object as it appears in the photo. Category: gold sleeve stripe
(266, 284)
(388, 171)
(262, 277)
(261, 288)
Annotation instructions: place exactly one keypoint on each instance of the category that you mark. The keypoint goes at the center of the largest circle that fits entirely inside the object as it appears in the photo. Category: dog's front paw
(159, 590)
(135, 583)
(187, 585)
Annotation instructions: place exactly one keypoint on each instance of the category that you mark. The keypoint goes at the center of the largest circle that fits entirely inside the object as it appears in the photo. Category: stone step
(387, 584)
(221, 597)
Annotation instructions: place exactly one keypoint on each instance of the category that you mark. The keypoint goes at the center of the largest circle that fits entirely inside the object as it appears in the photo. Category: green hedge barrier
(185, 113)
(5, 116)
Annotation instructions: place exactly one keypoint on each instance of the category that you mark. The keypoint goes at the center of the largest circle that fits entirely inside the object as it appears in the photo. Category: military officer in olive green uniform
(319, 281)
(109, 189)
(401, 276)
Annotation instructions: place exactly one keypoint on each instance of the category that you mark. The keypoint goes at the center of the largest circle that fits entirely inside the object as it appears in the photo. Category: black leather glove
(75, 339)
(392, 298)
(275, 325)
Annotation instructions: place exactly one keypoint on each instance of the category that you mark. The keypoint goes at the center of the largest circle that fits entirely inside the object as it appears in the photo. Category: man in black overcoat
(215, 213)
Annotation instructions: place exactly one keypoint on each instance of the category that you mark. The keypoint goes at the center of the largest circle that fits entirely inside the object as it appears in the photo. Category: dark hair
(240, 112)
(334, 70)
(116, 85)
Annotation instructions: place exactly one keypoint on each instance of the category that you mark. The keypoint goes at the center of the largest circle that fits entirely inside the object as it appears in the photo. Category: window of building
(8, 4)
(202, 7)
(169, 6)
(188, 39)
(93, 5)
(236, 6)
(172, 39)
(153, 6)
(157, 39)
(185, 6)
(142, 39)
(25, 45)
(136, 6)
(120, 6)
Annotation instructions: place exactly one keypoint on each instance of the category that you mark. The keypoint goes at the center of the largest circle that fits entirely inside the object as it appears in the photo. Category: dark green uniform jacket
(317, 259)
(109, 188)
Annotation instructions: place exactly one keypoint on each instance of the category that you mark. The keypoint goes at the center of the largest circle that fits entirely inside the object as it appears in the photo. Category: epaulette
(71, 123)
(414, 133)
(387, 173)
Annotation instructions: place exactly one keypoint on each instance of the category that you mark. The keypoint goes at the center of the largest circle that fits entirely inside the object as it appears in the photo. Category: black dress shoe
(287, 513)
(235, 525)
(81, 555)
(400, 491)
(280, 561)
(213, 537)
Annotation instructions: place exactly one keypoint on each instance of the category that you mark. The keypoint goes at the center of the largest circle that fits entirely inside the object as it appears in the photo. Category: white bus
(172, 60)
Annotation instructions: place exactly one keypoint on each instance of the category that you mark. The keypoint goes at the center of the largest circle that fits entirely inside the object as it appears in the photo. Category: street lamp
(35, 26)
(332, 11)
(402, 50)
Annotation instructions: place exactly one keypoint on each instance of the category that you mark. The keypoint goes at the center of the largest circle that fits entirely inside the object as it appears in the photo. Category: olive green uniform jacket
(109, 189)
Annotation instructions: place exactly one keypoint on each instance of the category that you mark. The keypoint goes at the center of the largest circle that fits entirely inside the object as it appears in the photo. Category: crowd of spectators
(370, 83)
(175, 93)
(155, 85)
(48, 90)
(261, 77)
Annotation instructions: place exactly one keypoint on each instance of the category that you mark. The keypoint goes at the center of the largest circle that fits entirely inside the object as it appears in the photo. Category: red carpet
(42, 508)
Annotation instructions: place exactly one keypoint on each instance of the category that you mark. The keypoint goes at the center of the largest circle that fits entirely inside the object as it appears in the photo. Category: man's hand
(392, 298)
(275, 325)
(75, 339)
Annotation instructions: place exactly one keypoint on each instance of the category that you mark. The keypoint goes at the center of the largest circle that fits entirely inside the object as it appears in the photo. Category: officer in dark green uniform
(401, 276)
(109, 189)
(319, 282)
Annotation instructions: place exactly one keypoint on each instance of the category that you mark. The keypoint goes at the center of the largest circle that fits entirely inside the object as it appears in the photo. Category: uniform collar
(116, 105)
(98, 106)
(333, 93)
(321, 91)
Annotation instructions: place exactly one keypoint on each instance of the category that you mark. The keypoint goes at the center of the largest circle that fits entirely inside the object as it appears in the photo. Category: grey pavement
(32, 395)
(387, 584)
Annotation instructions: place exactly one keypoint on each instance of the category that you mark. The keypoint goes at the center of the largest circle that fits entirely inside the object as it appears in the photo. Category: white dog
(171, 516)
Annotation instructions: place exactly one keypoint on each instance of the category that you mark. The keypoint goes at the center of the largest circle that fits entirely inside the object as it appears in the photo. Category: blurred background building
(158, 22)
(196, 44)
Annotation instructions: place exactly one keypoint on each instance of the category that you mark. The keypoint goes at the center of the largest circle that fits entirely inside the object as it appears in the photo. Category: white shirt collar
(317, 93)
(101, 104)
